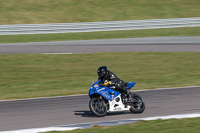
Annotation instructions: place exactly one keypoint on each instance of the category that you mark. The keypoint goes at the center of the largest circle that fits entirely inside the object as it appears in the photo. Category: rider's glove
(107, 83)
(101, 85)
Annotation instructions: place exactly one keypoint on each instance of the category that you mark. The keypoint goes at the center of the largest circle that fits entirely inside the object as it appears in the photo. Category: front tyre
(138, 105)
(97, 106)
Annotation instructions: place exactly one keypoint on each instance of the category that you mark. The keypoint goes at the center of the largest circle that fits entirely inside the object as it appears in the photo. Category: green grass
(38, 75)
(156, 126)
(187, 31)
(59, 11)
(70, 11)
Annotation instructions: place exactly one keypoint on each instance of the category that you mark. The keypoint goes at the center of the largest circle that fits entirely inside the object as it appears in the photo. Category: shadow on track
(84, 113)
(87, 113)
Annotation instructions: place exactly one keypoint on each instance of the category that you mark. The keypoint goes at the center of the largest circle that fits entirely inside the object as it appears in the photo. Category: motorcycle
(104, 99)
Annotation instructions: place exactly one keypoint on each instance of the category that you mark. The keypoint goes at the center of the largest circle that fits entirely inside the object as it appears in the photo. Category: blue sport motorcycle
(104, 99)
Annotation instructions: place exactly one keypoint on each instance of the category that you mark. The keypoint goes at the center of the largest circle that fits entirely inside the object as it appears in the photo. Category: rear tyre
(98, 107)
(138, 106)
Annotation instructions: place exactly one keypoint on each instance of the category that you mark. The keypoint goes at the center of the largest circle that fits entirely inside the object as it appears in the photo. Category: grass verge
(66, 11)
(38, 75)
(156, 126)
(187, 31)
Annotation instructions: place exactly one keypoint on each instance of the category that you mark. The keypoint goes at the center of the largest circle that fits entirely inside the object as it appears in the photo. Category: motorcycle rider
(109, 78)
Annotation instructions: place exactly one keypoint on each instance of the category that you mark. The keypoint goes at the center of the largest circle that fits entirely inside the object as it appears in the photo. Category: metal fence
(98, 26)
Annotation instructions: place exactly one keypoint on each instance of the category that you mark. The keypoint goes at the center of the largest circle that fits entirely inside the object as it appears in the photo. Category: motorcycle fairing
(117, 105)
(130, 85)
(105, 92)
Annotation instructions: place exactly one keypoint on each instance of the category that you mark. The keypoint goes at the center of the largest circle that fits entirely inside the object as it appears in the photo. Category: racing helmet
(101, 71)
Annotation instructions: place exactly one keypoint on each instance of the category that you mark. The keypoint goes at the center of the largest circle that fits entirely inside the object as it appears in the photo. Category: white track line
(177, 116)
(38, 130)
(168, 88)
(62, 128)
(57, 53)
(87, 94)
(42, 98)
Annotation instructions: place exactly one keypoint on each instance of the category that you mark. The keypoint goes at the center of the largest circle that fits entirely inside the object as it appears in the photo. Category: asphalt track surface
(35, 113)
(153, 44)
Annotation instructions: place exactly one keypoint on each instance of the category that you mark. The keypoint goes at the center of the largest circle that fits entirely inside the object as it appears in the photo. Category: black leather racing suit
(119, 84)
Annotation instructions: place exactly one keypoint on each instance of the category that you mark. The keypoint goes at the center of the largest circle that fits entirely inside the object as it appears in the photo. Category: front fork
(99, 100)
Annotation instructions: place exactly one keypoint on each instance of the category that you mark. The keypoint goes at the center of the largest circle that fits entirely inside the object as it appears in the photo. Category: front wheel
(138, 105)
(97, 106)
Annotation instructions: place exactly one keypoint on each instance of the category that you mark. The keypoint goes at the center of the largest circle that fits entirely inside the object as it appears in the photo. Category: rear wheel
(97, 106)
(138, 105)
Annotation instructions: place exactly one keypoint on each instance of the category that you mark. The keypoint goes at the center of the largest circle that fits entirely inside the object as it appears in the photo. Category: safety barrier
(98, 26)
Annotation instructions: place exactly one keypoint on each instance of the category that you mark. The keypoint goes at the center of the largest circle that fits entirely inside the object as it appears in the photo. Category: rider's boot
(128, 99)
(129, 95)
